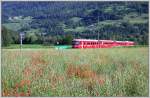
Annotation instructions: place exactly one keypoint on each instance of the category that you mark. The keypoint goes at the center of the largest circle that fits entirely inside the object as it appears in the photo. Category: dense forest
(53, 22)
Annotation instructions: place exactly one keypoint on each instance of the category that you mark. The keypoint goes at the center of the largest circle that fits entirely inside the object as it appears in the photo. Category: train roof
(90, 40)
(126, 41)
(100, 40)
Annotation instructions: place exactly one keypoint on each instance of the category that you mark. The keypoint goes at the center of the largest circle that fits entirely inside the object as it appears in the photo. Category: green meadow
(75, 72)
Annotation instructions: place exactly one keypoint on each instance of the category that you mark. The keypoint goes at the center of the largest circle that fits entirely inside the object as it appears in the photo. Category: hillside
(113, 20)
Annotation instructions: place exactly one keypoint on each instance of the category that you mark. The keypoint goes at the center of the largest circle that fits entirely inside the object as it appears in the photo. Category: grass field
(27, 46)
(35, 46)
(75, 72)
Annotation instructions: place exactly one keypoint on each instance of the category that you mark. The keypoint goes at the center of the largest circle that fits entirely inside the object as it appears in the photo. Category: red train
(87, 43)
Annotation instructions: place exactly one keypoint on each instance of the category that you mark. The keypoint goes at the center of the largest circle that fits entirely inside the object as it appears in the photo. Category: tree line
(10, 37)
(63, 21)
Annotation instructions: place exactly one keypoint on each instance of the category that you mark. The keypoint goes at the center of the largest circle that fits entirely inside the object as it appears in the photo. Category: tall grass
(75, 72)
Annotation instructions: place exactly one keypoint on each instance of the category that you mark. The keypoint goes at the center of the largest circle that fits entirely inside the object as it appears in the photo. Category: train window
(75, 42)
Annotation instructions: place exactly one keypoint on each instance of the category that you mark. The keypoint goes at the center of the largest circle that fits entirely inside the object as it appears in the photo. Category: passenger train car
(88, 43)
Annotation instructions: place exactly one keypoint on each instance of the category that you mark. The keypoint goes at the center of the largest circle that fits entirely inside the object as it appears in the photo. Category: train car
(88, 43)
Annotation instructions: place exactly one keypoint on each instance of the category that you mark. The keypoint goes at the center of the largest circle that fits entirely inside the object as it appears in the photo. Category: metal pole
(98, 35)
(98, 21)
(43, 38)
(21, 41)
(21, 38)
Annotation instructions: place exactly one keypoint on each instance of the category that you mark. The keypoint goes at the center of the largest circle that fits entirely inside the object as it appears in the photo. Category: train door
(82, 44)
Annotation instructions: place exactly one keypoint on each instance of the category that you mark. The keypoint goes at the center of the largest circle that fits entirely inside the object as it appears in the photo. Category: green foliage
(6, 37)
(67, 40)
(113, 20)
(30, 38)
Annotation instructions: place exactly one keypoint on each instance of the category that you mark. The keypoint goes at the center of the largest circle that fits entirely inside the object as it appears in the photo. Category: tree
(6, 37)
(30, 37)
(67, 39)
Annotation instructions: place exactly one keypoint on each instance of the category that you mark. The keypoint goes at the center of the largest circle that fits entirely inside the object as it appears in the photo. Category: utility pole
(98, 22)
(43, 34)
(21, 37)
(97, 19)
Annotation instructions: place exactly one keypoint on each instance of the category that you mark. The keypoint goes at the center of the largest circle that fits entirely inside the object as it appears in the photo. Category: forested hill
(113, 20)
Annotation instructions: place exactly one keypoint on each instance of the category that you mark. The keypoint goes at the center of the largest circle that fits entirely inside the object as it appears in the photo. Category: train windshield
(75, 42)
